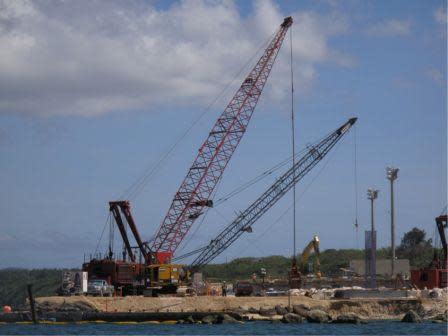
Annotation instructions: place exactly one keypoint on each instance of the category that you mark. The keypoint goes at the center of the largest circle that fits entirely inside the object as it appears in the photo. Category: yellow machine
(165, 278)
(313, 245)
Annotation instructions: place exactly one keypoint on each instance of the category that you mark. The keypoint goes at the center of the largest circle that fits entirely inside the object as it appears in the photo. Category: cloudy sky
(94, 93)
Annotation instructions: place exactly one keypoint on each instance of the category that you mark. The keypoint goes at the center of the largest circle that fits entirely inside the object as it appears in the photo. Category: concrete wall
(383, 266)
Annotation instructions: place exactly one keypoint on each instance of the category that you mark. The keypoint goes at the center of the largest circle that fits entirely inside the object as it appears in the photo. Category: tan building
(383, 267)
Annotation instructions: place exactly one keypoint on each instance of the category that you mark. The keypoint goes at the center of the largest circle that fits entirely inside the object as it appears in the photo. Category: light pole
(392, 174)
(372, 194)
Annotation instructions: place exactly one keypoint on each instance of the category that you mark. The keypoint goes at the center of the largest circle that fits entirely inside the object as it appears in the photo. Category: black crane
(249, 216)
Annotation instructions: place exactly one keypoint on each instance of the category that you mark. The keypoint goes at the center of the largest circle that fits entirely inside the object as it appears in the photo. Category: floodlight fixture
(392, 173)
(372, 193)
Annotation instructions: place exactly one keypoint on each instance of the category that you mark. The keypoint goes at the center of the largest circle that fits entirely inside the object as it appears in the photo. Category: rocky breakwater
(303, 308)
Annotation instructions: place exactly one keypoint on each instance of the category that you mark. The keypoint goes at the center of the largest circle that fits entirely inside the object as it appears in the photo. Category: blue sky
(93, 94)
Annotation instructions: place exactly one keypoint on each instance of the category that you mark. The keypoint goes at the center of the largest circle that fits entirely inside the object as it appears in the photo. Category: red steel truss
(214, 154)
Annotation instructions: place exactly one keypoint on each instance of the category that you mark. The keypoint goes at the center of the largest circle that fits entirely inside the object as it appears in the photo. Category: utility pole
(372, 194)
(392, 174)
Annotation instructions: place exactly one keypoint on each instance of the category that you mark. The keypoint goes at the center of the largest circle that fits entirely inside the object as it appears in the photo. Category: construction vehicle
(243, 288)
(436, 274)
(154, 272)
(100, 287)
(313, 246)
(73, 283)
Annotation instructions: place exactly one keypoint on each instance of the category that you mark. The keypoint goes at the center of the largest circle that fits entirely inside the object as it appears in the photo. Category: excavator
(313, 246)
(155, 272)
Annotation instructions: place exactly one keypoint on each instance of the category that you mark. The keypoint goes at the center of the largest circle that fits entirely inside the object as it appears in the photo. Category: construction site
(151, 268)
(151, 277)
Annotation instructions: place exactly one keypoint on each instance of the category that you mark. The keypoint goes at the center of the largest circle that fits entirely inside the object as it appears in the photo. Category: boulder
(437, 321)
(292, 318)
(226, 319)
(440, 318)
(267, 312)
(411, 317)
(280, 310)
(301, 310)
(276, 321)
(349, 318)
(237, 315)
(318, 316)
(189, 320)
(210, 319)
(253, 310)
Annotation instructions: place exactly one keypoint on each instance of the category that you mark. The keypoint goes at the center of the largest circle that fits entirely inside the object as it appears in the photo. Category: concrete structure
(370, 259)
(383, 267)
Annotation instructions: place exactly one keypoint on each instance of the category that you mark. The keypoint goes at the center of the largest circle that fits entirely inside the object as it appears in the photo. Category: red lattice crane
(196, 189)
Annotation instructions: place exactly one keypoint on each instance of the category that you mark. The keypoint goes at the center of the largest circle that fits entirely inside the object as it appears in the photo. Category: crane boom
(214, 154)
(123, 207)
(114, 208)
(249, 216)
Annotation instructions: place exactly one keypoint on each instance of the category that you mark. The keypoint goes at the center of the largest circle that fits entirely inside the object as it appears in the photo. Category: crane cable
(355, 158)
(246, 186)
(293, 146)
(307, 187)
(239, 190)
(256, 179)
(136, 188)
(140, 183)
(283, 214)
(102, 233)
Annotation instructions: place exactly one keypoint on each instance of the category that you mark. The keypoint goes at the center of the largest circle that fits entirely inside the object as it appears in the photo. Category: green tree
(415, 247)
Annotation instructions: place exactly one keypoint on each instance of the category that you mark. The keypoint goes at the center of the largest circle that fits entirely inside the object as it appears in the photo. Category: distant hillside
(13, 284)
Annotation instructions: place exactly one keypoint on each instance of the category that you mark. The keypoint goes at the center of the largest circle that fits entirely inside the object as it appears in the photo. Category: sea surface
(249, 328)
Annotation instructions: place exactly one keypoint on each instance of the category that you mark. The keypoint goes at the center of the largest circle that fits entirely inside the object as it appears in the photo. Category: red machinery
(436, 274)
(196, 189)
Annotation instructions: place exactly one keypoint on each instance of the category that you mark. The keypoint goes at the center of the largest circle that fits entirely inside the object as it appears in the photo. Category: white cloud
(390, 28)
(440, 15)
(91, 58)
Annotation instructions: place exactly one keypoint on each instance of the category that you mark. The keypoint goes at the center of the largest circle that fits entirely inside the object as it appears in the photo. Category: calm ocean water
(249, 328)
